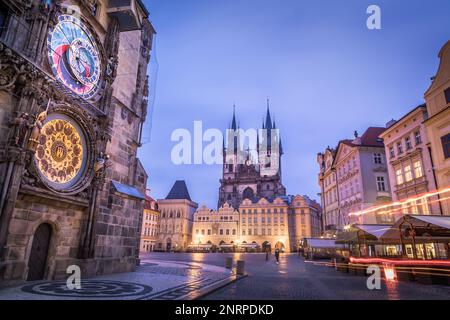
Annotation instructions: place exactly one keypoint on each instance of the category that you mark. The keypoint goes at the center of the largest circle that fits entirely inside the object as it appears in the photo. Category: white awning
(376, 230)
(322, 243)
(440, 221)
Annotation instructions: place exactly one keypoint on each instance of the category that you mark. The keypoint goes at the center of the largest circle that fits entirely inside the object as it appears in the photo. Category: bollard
(229, 263)
(240, 268)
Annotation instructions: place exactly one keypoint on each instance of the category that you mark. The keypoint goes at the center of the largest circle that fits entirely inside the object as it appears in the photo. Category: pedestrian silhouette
(277, 255)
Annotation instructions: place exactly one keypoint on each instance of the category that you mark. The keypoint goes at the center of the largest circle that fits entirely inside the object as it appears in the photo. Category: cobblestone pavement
(296, 279)
(153, 280)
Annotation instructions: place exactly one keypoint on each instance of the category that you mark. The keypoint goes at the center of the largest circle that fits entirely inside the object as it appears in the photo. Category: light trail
(402, 203)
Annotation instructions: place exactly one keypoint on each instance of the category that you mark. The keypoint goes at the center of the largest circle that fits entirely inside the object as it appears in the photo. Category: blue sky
(326, 75)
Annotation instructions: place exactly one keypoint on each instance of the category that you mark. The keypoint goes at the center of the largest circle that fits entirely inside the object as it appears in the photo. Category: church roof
(179, 191)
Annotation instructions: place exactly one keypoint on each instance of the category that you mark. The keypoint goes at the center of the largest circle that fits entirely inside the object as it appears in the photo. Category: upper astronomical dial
(74, 56)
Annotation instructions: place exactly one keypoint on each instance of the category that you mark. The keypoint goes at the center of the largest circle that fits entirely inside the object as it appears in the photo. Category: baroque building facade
(354, 177)
(215, 228)
(257, 225)
(409, 164)
(251, 174)
(73, 98)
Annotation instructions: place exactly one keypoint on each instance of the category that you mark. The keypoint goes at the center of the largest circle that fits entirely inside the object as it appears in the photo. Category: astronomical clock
(74, 56)
(63, 153)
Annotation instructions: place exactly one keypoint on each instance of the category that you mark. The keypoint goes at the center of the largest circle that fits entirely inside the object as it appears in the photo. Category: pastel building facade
(437, 99)
(361, 180)
(410, 165)
(329, 186)
(150, 225)
(215, 227)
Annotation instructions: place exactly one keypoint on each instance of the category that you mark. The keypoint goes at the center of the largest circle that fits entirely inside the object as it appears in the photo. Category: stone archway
(37, 261)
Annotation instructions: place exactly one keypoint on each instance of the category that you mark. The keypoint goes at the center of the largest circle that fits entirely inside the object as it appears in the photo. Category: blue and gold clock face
(74, 56)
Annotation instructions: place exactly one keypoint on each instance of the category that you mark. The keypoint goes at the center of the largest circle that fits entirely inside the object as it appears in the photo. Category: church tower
(247, 177)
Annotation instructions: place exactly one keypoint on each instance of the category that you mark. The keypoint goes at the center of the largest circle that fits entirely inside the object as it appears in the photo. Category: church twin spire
(267, 124)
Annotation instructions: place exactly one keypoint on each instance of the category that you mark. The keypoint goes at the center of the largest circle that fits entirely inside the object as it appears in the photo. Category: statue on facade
(33, 141)
(21, 125)
(101, 164)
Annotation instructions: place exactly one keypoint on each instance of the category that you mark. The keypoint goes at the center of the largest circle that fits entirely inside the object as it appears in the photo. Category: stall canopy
(425, 226)
(370, 232)
(321, 243)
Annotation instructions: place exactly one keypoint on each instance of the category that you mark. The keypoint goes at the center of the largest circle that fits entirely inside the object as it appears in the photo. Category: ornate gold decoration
(59, 155)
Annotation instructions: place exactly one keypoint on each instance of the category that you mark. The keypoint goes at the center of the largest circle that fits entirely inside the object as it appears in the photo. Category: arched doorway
(266, 246)
(248, 193)
(168, 244)
(39, 252)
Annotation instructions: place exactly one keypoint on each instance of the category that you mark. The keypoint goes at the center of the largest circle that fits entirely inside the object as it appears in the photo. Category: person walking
(267, 254)
(277, 255)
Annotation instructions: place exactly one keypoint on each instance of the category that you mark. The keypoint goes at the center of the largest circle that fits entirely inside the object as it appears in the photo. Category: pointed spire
(268, 119)
(233, 122)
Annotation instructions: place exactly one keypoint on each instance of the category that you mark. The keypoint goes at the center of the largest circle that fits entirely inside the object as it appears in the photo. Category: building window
(269, 232)
(234, 232)
(447, 95)
(197, 231)
(399, 148)
(243, 220)
(203, 232)
(377, 158)
(281, 210)
(381, 186)
(399, 176)
(263, 232)
(263, 211)
(391, 152)
(446, 145)
(408, 143)
(268, 187)
(275, 211)
(418, 169)
(209, 232)
(221, 231)
(268, 210)
(408, 173)
(255, 220)
(227, 232)
(417, 137)
(255, 232)
(243, 211)
(255, 211)
(243, 232)
(249, 232)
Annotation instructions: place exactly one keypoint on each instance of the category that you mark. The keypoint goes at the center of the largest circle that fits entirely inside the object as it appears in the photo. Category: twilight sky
(326, 75)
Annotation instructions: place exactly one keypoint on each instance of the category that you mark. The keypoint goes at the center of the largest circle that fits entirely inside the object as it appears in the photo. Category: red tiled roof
(370, 137)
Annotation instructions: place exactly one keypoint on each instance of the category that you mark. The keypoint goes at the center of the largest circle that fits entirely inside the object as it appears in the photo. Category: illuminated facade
(73, 98)
(215, 228)
(258, 226)
(437, 99)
